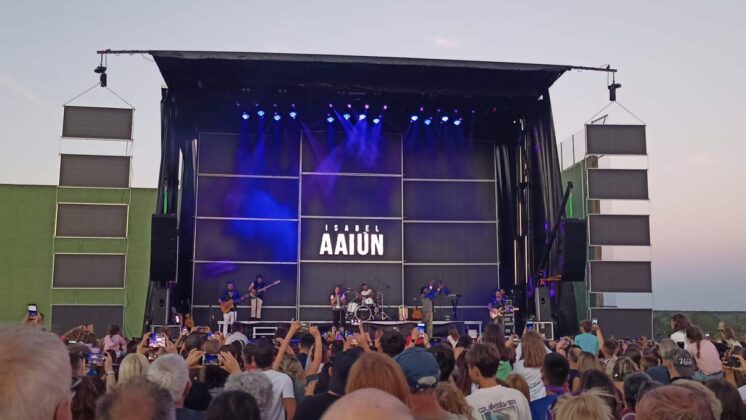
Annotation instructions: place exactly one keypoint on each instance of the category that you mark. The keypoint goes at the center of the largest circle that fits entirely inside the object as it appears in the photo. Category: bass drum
(368, 301)
(352, 307)
(363, 313)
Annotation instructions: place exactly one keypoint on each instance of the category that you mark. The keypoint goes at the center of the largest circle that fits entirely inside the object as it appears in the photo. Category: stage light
(293, 114)
(414, 118)
(376, 120)
(346, 116)
(367, 106)
(330, 119)
(444, 118)
(260, 113)
(245, 115)
(362, 117)
(457, 122)
(428, 121)
(385, 107)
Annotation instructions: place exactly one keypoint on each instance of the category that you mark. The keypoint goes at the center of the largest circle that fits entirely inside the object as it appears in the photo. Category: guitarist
(230, 297)
(257, 298)
(496, 306)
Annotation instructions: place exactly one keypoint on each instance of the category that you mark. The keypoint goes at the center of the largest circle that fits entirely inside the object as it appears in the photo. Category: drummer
(366, 294)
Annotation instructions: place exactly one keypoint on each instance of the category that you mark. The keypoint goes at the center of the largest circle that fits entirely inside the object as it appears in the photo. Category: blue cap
(420, 368)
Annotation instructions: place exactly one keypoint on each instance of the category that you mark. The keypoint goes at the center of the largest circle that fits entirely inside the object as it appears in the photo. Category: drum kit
(365, 308)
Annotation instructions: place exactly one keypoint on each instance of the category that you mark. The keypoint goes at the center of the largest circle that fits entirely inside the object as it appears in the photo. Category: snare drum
(368, 301)
(352, 307)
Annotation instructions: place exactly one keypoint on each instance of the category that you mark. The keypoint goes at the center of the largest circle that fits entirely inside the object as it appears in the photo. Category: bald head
(368, 404)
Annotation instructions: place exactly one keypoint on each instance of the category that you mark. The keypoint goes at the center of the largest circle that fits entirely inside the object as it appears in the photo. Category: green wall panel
(27, 217)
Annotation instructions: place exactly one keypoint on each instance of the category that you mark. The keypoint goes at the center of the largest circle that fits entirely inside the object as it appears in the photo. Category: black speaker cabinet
(574, 250)
(163, 242)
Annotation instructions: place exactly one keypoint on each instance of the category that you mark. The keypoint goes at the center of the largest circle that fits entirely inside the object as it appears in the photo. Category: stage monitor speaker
(574, 250)
(163, 241)
(543, 304)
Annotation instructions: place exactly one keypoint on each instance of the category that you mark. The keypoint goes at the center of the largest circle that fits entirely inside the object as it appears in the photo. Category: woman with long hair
(451, 399)
(679, 324)
(494, 334)
(531, 360)
(729, 338)
(727, 394)
(623, 368)
(376, 370)
(705, 354)
(599, 380)
(133, 364)
(461, 375)
(587, 406)
(586, 361)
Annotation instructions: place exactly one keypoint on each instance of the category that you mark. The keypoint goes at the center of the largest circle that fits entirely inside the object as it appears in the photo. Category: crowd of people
(370, 374)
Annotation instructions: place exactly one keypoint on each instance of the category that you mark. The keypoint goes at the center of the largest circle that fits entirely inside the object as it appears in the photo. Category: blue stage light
(277, 117)
(346, 116)
(245, 115)
(362, 117)
(457, 122)
(376, 120)
(414, 118)
(260, 113)
(293, 114)
(330, 119)
(444, 118)
(428, 121)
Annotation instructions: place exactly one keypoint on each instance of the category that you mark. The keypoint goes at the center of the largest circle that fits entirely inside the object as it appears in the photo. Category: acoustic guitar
(498, 312)
(229, 305)
(253, 292)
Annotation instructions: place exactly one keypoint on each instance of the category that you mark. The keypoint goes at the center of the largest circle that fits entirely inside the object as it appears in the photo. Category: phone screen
(529, 325)
(32, 310)
(594, 321)
(210, 359)
(157, 340)
(421, 327)
(96, 359)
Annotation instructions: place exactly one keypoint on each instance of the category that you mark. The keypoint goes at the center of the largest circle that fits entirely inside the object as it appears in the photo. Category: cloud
(444, 43)
(7, 82)
(703, 159)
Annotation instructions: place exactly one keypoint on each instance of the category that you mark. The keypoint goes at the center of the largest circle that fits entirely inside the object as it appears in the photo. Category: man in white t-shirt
(237, 334)
(283, 398)
(492, 401)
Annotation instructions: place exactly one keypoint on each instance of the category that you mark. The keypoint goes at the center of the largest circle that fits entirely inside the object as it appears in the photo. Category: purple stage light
(457, 122)
(245, 115)
(293, 114)
(444, 118)
(428, 121)
(277, 117)
(260, 113)
(346, 116)
(376, 120)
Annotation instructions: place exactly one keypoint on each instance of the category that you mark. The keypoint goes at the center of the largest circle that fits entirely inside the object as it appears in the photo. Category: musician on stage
(427, 296)
(365, 293)
(497, 305)
(228, 295)
(338, 302)
(256, 302)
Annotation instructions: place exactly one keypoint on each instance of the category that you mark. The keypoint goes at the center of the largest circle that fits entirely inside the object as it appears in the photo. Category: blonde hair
(518, 383)
(533, 349)
(451, 399)
(290, 365)
(589, 405)
(376, 370)
(588, 361)
(36, 373)
(134, 364)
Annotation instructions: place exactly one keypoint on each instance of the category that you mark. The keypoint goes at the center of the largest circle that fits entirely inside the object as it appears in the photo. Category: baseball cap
(683, 362)
(420, 368)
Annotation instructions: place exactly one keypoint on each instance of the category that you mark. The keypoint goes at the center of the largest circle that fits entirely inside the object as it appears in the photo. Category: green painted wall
(27, 244)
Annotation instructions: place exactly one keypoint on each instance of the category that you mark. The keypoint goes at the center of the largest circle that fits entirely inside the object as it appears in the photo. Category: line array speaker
(574, 250)
(163, 241)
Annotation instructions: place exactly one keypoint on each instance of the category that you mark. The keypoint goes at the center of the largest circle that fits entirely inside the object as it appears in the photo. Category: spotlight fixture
(457, 122)
(330, 119)
(385, 107)
(414, 118)
(367, 106)
(444, 118)
(346, 116)
(260, 113)
(293, 114)
(362, 117)
(277, 117)
(245, 115)
(377, 120)
(428, 121)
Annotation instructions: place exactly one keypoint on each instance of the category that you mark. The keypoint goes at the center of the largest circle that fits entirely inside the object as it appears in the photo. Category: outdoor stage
(320, 171)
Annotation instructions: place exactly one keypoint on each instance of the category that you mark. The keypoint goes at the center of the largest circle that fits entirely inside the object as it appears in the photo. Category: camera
(96, 359)
(157, 340)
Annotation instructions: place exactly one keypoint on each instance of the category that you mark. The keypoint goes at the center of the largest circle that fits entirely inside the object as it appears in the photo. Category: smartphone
(157, 340)
(96, 359)
(185, 331)
(529, 325)
(421, 327)
(210, 359)
(32, 312)
(594, 321)
(210, 336)
(473, 334)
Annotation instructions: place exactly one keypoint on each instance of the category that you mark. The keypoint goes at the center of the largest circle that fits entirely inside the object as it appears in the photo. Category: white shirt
(532, 375)
(498, 402)
(282, 387)
(679, 337)
(237, 336)
(742, 392)
(453, 341)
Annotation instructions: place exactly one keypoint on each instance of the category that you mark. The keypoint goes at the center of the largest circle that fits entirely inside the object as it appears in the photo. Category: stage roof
(194, 70)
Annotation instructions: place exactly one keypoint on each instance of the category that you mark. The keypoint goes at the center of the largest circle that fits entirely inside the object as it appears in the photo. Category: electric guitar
(253, 292)
(498, 312)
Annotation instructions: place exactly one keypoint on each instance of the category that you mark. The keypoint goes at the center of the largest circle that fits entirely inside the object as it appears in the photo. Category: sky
(681, 65)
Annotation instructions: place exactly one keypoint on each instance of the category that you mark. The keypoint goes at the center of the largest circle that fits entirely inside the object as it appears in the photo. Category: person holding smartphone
(585, 340)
